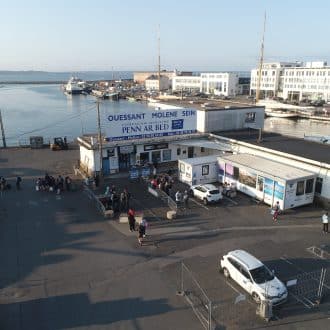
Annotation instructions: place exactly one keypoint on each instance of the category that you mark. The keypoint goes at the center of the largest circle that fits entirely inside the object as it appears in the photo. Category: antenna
(158, 33)
(261, 61)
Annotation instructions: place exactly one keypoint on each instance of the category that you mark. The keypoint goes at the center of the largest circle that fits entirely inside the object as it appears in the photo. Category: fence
(310, 288)
(196, 297)
(95, 199)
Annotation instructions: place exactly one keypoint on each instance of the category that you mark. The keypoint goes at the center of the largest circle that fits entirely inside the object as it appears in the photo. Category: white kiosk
(268, 180)
(198, 170)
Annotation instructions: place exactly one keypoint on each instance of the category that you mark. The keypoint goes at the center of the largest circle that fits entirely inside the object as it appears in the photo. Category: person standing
(131, 219)
(141, 233)
(18, 183)
(127, 199)
(178, 197)
(276, 211)
(185, 199)
(325, 221)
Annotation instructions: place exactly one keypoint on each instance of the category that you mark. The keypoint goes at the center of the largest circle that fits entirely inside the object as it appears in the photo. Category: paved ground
(64, 266)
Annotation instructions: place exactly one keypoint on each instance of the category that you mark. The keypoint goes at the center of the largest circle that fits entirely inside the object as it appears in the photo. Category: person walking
(276, 211)
(145, 226)
(178, 197)
(141, 234)
(186, 199)
(131, 220)
(325, 221)
(18, 183)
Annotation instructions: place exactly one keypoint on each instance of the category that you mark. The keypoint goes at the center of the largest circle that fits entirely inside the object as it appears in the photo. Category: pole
(261, 62)
(159, 58)
(2, 132)
(100, 139)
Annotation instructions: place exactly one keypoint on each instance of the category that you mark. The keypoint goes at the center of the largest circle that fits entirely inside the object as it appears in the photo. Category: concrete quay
(65, 266)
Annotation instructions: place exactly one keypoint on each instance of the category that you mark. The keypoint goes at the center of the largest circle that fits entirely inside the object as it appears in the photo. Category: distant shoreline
(48, 82)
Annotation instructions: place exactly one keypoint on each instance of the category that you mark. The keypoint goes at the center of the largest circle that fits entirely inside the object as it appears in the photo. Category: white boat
(280, 113)
(318, 138)
(74, 86)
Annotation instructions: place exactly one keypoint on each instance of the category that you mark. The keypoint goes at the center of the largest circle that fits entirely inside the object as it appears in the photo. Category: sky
(209, 35)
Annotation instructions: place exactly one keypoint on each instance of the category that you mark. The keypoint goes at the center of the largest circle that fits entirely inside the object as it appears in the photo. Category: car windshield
(214, 192)
(261, 275)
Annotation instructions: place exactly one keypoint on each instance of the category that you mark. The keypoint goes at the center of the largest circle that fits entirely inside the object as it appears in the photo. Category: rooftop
(298, 147)
(209, 105)
(270, 167)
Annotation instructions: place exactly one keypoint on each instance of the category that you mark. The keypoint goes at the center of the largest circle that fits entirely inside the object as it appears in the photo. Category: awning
(206, 144)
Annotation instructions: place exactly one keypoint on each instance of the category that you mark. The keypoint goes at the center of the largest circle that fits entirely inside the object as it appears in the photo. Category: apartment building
(294, 81)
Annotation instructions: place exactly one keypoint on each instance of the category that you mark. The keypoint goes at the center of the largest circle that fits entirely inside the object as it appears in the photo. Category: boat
(318, 138)
(74, 86)
(281, 113)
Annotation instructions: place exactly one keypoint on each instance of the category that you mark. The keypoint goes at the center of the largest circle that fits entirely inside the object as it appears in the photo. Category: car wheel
(256, 297)
(226, 272)
(205, 201)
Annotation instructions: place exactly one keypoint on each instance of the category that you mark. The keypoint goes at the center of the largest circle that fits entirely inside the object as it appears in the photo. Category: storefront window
(247, 178)
(155, 157)
(167, 155)
(300, 188)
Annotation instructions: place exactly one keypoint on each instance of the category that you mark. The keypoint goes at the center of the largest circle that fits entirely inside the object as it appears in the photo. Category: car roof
(209, 186)
(246, 258)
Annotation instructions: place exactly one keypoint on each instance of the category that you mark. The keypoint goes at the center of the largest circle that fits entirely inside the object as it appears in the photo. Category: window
(244, 272)
(318, 185)
(182, 168)
(167, 155)
(234, 263)
(309, 186)
(202, 149)
(300, 188)
(250, 117)
(178, 151)
(205, 169)
(236, 172)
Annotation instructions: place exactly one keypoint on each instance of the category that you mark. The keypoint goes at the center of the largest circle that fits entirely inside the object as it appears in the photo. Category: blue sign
(177, 124)
(134, 173)
(145, 172)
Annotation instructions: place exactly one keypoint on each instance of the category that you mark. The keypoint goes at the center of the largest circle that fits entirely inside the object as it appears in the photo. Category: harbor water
(44, 110)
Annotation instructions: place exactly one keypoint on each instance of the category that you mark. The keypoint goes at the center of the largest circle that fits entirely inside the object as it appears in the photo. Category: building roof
(200, 160)
(269, 167)
(298, 147)
(209, 105)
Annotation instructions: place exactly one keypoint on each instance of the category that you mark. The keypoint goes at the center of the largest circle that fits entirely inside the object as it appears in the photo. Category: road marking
(202, 205)
(286, 260)
(231, 200)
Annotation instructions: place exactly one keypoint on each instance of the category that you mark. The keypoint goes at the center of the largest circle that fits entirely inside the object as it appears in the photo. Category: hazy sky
(66, 35)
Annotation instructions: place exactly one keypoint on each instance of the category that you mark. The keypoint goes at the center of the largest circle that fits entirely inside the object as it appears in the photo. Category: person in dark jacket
(131, 219)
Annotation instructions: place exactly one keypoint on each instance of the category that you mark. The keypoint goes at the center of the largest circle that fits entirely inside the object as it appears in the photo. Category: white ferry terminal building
(178, 130)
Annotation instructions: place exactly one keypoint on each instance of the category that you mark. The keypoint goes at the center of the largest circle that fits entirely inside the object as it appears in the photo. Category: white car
(208, 193)
(253, 276)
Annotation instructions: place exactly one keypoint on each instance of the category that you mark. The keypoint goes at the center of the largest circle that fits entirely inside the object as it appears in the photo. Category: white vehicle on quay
(208, 193)
(253, 276)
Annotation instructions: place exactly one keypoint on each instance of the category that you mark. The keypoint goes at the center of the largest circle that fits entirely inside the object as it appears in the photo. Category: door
(155, 157)
(105, 166)
(243, 279)
(190, 152)
(233, 269)
(124, 161)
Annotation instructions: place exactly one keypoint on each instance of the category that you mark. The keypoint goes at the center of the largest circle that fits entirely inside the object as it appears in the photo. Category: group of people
(118, 202)
(162, 182)
(5, 185)
(141, 227)
(50, 183)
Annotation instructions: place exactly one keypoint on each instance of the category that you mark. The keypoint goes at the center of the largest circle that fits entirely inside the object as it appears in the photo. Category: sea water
(44, 110)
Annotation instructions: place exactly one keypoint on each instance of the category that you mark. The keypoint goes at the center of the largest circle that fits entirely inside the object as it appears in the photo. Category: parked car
(253, 276)
(208, 193)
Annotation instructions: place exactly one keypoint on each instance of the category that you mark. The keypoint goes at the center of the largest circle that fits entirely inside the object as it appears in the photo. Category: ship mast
(159, 57)
(261, 61)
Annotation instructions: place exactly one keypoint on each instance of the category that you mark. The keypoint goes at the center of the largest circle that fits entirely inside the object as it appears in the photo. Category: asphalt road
(65, 267)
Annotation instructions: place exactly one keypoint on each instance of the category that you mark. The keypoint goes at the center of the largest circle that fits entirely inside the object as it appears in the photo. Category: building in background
(152, 83)
(295, 81)
(141, 76)
(220, 83)
(187, 83)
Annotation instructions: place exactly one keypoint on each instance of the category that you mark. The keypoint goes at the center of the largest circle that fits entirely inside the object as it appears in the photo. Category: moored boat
(280, 113)
(74, 86)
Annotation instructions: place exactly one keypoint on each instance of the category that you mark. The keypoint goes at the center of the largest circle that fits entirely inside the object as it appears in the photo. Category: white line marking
(206, 208)
(289, 262)
(231, 200)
